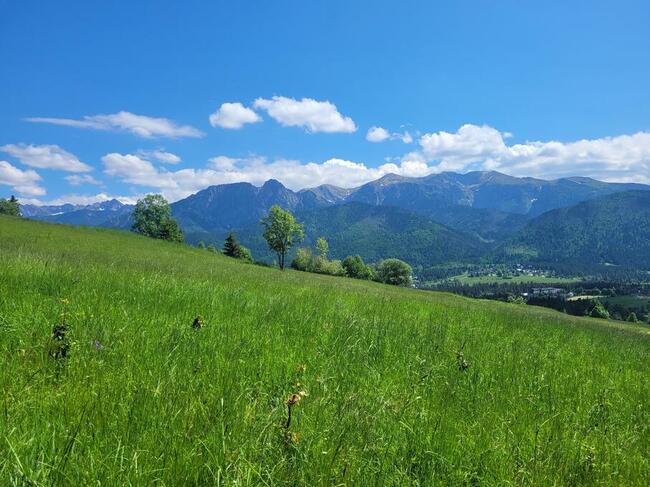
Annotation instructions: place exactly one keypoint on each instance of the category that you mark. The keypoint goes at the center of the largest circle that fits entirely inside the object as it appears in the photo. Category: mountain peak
(273, 184)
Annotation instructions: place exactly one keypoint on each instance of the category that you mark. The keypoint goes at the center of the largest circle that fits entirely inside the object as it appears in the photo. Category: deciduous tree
(281, 232)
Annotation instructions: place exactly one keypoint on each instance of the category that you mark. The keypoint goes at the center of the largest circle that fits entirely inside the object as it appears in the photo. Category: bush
(243, 253)
(234, 249)
(333, 268)
(395, 272)
(356, 268)
(302, 260)
(306, 261)
(599, 311)
(516, 299)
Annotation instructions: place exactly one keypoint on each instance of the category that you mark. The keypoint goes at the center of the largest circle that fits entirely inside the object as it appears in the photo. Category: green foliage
(303, 260)
(614, 229)
(230, 246)
(234, 249)
(512, 299)
(244, 254)
(399, 386)
(632, 317)
(356, 268)
(395, 272)
(306, 261)
(599, 311)
(322, 248)
(281, 231)
(9, 207)
(152, 217)
(201, 244)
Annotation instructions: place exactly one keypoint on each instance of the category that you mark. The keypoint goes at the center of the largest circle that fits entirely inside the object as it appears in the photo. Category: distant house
(548, 292)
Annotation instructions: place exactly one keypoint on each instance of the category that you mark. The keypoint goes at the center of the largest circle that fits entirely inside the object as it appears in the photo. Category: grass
(393, 386)
(629, 301)
(522, 279)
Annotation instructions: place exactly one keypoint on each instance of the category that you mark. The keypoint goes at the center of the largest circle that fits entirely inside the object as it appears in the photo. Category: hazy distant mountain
(484, 190)
(110, 213)
(613, 229)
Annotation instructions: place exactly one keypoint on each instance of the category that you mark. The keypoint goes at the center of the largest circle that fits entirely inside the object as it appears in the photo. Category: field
(392, 386)
(522, 279)
(629, 301)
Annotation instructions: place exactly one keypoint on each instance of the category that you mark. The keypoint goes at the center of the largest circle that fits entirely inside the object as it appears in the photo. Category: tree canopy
(281, 232)
(395, 272)
(355, 267)
(152, 217)
(9, 207)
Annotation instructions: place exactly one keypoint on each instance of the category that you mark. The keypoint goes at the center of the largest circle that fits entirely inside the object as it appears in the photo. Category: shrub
(234, 249)
(302, 260)
(599, 311)
(306, 261)
(243, 253)
(356, 268)
(395, 272)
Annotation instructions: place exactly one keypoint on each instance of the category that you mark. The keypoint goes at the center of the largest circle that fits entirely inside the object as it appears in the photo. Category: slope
(375, 233)
(399, 386)
(614, 229)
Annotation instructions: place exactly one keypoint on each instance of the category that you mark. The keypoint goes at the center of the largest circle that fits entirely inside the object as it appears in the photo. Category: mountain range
(434, 219)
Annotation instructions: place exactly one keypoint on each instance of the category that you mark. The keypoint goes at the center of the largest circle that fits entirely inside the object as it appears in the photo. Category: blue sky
(102, 99)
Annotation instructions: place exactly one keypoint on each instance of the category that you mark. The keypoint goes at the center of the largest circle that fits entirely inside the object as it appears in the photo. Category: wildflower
(293, 399)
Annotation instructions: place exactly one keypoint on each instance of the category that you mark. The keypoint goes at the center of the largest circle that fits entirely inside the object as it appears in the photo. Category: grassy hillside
(402, 387)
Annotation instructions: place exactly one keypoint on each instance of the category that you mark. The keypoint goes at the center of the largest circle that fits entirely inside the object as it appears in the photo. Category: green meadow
(522, 279)
(296, 378)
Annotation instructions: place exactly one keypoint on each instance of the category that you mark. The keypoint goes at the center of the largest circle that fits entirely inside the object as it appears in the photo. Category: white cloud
(45, 157)
(77, 180)
(233, 116)
(139, 125)
(314, 116)
(135, 170)
(162, 156)
(379, 134)
(175, 185)
(23, 182)
(622, 158)
(472, 147)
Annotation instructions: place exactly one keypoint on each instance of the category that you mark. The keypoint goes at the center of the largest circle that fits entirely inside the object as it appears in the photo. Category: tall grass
(396, 387)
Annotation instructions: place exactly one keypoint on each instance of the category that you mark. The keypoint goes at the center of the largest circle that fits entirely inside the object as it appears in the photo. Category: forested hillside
(613, 230)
